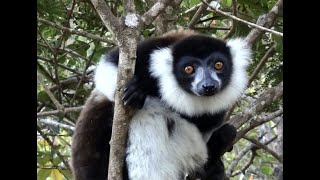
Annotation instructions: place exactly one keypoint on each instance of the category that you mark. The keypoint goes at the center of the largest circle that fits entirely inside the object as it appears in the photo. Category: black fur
(200, 51)
(170, 126)
(90, 142)
(194, 50)
(90, 146)
(217, 145)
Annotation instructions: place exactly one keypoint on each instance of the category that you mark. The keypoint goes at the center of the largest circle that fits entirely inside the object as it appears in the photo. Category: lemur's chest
(162, 145)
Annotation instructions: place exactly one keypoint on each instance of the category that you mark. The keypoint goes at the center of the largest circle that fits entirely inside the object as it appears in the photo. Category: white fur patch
(199, 76)
(105, 78)
(155, 154)
(181, 101)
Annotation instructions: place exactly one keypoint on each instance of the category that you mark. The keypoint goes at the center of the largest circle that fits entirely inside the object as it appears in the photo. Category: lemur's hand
(133, 94)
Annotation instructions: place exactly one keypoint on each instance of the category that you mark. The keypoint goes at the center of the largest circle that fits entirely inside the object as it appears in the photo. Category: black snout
(209, 87)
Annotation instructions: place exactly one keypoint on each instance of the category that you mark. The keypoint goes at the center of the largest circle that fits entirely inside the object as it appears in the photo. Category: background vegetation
(71, 38)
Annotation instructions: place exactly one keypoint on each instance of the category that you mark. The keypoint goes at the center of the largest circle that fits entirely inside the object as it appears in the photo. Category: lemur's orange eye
(218, 65)
(188, 69)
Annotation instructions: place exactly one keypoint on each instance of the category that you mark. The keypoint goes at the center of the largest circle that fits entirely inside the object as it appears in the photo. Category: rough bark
(122, 114)
(126, 30)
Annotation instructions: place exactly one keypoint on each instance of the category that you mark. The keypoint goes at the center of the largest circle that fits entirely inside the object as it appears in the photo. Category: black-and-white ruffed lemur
(184, 82)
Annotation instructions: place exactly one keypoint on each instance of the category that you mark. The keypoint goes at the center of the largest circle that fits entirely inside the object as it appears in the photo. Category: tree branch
(72, 80)
(255, 123)
(234, 23)
(57, 124)
(56, 112)
(250, 147)
(243, 21)
(262, 62)
(54, 100)
(257, 106)
(61, 65)
(66, 51)
(44, 136)
(242, 153)
(194, 8)
(195, 18)
(81, 33)
(211, 28)
(126, 33)
(266, 20)
(267, 97)
(148, 17)
(167, 19)
(264, 147)
(106, 15)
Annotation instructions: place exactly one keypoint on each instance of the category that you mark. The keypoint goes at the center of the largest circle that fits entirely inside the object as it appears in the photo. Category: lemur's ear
(240, 51)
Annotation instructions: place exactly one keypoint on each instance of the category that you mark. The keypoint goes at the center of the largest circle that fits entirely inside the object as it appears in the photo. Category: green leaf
(66, 173)
(227, 2)
(266, 169)
(43, 96)
(90, 49)
(43, 174)
(43, 159)
(56, 175)
(56, 161)
(278, 43)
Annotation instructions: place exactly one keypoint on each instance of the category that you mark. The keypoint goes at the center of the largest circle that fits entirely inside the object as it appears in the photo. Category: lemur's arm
(218, 142)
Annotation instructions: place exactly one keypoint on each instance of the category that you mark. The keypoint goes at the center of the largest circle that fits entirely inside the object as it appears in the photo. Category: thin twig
(55, 112)
(243, 170)
(67, 24)
(266, 20)
(57, 124)
(54, 100)
(234, 23)
(212, 28)
(194, 8)
(243, 21)
(109, 20)
(258, 122)
(264, 147)
(240, 155)
(44, 136)
(267, 97)
(81, 33)
(244, 151)
(83, 74)
(66, 51)
(197, 15)
(44, 72)
(72, 80)
(55, 62)
(262, 62)
(61, 65)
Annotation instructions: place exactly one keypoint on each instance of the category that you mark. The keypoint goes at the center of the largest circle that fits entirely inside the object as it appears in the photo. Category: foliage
(66, 62)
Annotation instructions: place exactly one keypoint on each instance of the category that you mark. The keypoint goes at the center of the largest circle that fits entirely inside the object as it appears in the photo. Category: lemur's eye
(188, 69)
(218, 65)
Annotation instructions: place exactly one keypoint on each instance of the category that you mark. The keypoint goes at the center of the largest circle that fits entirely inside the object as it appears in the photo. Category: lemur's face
(202, 71)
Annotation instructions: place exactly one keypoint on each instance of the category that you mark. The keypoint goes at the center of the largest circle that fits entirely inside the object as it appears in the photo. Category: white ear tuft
(240, 51)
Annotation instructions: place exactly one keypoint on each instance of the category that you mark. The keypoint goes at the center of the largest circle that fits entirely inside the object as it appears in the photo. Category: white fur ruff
(181, 101)
(154, 153)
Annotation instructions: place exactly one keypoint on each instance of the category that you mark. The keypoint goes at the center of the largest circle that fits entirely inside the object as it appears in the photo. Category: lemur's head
(202, 66)
(201, 74)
